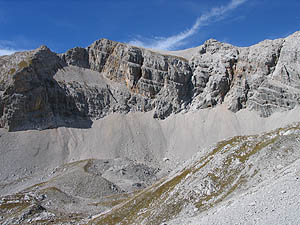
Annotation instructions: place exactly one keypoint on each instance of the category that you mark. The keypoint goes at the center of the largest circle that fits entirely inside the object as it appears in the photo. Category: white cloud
(8, 47)
(169, 43)
(7, 51)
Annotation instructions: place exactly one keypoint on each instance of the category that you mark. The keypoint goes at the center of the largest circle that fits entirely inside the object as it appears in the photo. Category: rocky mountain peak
(263, 78)
(110, 149)
(43, 48)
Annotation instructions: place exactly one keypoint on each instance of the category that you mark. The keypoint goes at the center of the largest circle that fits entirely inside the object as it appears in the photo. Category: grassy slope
(231, 166)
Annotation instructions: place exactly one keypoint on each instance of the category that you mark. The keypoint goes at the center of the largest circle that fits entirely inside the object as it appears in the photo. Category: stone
(40, 89)
(252, 204)
(76, 57)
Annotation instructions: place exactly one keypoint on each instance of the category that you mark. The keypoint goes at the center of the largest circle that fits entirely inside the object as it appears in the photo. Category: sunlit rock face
(41, 89)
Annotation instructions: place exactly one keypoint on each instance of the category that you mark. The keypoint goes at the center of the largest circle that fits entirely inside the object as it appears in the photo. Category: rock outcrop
(40, 89)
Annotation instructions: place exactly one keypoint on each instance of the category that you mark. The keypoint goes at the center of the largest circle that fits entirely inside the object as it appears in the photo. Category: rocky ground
(275, 201)
(235, 173)
(74, 192)
(115, 134)
(78, 192)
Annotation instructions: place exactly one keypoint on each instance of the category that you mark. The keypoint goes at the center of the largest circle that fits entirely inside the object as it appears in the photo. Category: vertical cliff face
(41, 89)
(162, 80)
(25, 83)
(253, 77)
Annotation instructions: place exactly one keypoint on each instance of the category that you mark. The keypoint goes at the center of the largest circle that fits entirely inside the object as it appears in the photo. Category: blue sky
(163, 24)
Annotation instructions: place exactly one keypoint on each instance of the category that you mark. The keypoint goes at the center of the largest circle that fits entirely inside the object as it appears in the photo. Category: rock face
(40, 89)
(255, 77)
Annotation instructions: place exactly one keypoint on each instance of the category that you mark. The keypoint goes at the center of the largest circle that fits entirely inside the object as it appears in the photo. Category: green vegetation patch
(219, 173)
(9, 206)
(23, 64)
(12, 71)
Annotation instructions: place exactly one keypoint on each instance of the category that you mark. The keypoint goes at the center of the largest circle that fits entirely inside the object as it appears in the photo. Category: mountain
(41, 89)
(114, 133)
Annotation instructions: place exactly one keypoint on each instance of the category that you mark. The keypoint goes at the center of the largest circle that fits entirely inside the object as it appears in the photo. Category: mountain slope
(275, 201)
(226, 170)
(244, 171)
(105, 134)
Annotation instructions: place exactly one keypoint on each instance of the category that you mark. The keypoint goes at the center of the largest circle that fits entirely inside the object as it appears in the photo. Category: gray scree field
(117, 134)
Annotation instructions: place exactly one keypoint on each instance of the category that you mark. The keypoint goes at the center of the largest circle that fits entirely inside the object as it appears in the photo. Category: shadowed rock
(40, 89)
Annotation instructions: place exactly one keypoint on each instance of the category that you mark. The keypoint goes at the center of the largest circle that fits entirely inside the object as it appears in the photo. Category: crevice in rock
(139, 75)
(287, 73)
(110, 92)
(276, 58)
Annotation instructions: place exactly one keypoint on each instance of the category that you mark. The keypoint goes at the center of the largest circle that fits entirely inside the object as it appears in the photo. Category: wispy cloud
(172, 42)
(7, 51)
(8, 47)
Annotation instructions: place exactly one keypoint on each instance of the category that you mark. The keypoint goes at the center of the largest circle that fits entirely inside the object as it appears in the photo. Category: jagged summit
(38, 89)
(102, 134)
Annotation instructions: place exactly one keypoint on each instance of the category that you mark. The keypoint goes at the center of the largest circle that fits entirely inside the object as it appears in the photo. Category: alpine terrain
(118, 134)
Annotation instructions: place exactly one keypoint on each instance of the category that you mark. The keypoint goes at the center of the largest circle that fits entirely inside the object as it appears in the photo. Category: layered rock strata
(40, 89)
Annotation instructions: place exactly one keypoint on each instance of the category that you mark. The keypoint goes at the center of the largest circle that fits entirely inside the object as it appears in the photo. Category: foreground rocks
(244, 178)
(221, 174)
(74, 192)
(40, 89)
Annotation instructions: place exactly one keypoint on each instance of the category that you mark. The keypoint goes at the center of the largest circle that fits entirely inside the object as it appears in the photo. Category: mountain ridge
(116, 134)
(263, 77)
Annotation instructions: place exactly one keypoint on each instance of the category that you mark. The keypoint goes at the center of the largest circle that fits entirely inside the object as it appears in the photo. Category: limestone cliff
(40, 89)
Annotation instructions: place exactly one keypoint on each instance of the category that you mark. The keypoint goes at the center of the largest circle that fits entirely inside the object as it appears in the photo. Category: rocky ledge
(40, 89)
